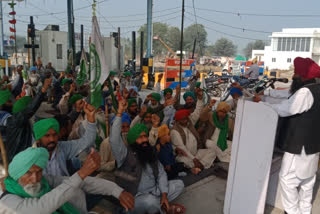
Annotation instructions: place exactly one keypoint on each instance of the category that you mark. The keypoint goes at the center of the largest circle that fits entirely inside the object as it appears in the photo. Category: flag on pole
(82, 76)
(99, 68)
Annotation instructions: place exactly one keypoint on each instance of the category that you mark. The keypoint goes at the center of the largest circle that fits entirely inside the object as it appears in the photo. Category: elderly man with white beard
(28, 192)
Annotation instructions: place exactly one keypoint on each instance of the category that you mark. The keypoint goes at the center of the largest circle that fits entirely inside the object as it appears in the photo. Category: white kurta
(296, 170)
(212, 143)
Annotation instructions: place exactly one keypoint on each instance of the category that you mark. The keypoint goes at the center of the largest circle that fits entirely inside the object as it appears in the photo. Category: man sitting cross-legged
(27, 191)
(187, 142)
(139, 171)
(219, 132)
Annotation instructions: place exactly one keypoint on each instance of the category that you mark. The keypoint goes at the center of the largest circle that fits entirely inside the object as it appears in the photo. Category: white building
(53, 47)
(289, 44)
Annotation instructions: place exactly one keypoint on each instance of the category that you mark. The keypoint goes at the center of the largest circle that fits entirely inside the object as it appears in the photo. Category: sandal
(176, 209)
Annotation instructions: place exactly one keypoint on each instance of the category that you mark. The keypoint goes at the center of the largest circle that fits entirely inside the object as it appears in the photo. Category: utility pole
(32, 35)
(71, 42)
(149, 28)
(194, 48)
(119, 50)
(134, 50)
(82, 38)
(148, 61)
(1, 16)
(2, 41)
(181, 44)
(141, 50)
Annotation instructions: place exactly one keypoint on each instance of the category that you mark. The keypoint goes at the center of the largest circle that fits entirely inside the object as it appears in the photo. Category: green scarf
(222, 140)
(14, 187)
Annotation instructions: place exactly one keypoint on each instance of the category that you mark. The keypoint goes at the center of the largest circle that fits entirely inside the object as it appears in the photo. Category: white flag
(97, 44)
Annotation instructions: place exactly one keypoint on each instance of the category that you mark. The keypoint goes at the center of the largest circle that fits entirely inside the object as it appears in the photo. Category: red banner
(176, 62)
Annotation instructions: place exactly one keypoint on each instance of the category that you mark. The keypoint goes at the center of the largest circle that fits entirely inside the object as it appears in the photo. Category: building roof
(297, 32)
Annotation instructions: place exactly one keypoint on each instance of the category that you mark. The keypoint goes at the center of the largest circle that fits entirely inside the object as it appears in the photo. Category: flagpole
(107, 118)
(4, 156)
(181, 45)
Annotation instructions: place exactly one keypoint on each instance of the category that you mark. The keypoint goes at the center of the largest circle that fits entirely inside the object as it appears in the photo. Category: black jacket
(19, 130)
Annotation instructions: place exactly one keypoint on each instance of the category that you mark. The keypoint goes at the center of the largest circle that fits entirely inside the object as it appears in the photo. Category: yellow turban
(223, 106)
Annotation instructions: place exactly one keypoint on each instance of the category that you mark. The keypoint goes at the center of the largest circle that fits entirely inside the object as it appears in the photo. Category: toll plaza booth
(172, 71)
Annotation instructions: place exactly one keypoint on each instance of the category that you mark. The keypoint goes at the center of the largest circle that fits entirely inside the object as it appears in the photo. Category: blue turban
(125, 118)
(33, 68)
(235, 90)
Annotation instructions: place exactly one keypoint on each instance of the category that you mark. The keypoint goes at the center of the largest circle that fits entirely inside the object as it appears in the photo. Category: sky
(221, 18)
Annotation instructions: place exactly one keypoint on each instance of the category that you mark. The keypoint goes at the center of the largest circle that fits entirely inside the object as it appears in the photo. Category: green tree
(224, 47)
(195, 31)
(209, 50)
(127, 43)
(257, 45)
(159, 29)
(174, 35)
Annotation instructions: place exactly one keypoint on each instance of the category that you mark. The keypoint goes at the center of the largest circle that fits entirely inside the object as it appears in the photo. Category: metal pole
(119, 50)
(134, 50)
(15, 40)
(181, 44)
(149, 28)
(32, 43)
(28, 49)
(82, 38)
(194, 48)
(71, 42)
(2, 39)
(141, 50)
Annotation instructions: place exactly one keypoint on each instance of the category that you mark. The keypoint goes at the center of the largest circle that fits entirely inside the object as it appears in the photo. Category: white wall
(281, 58)
(48, 48)
(111, 53)
(259, 54)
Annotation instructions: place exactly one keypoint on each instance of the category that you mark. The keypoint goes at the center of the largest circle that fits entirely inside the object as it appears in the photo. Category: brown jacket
(208, 127)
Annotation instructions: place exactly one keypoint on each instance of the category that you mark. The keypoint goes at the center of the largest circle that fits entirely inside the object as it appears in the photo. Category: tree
(224, 47)
(127, 43)
(257, 45)
(159, 29)
(195, 31)
(209, 50)
(174, 36)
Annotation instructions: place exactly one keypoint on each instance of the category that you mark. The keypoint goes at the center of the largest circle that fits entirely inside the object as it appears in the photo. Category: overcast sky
(130, 14)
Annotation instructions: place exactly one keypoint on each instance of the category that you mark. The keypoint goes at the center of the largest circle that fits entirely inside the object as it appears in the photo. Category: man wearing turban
(219, 132)
(127, 81)
(236, 94)
(28, 191)
(132, 109)
(189, 98)
(5, 106)
(65, 101)
(46, 134)
(253, 72)
(187, 141)
(19, 129)
(139, 171)
(298, 127)
(34, 79)
(108, 162)
(154, 99)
